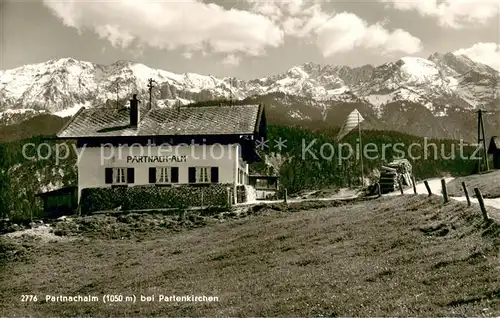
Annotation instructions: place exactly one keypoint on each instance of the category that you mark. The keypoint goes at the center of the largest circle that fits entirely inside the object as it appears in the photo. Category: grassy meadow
(398, 256)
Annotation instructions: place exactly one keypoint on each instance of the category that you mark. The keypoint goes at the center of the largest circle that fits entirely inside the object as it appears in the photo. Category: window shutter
(174, 178)
(152, 175)
(108, 175)
(130, 175)
(198, 174)
(215, 174)
(192, 174)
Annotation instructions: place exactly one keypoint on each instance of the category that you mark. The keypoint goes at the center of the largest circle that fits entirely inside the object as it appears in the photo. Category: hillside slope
(41, 125)
(486, 182)
(401, 256)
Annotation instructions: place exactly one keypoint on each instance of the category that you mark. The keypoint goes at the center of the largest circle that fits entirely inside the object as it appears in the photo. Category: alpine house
(193, 145)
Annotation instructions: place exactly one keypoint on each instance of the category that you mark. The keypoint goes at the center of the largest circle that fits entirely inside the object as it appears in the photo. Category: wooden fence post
(466, 193)
(444, 190)
(182, 214)
(414, 185)
(479, 197)
(229, 203)
(78, 210)
(286, 196)
(400, 185)
(427, 187)
(202, 198)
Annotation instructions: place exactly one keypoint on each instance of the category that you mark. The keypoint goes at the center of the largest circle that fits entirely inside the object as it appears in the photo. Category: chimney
(134, 111)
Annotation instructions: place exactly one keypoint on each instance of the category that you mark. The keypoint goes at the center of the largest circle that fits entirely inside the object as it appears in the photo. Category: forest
(300, 170)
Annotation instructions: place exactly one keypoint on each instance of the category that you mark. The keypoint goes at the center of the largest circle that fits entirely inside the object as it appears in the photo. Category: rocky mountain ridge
(445, 89)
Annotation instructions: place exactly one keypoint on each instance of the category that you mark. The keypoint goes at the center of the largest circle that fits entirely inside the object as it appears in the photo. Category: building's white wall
(243, 167)
(237, 153)
(90, 170)
(93, 161)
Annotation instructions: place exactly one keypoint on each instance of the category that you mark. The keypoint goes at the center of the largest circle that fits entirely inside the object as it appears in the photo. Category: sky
(245, 38)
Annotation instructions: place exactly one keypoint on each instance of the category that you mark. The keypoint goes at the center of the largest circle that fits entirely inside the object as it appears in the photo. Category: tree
(275, 161)
(4, 193)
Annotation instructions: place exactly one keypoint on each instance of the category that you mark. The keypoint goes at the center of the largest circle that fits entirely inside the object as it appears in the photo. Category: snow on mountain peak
(61, 86)
(297, 72)
(418, 70)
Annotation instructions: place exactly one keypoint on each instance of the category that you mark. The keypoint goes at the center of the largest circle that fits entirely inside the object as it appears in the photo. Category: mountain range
(435, 97)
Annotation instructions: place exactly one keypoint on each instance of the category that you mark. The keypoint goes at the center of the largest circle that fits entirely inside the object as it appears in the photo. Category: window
(119, 175)
(261, 183)
(163, 174)
(203, 174)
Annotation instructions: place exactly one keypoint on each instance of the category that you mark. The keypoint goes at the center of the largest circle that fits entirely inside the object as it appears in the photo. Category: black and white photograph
(249, 158)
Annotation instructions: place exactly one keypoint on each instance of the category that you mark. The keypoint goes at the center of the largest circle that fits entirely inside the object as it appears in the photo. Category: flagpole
(361, 156)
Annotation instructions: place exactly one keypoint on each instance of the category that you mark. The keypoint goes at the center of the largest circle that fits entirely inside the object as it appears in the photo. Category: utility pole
(231, 91)
(117, 102)
(361, 156)
(481, 138)
(150, 86)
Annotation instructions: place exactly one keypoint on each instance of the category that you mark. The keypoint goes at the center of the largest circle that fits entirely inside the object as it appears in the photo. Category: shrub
(152, 197)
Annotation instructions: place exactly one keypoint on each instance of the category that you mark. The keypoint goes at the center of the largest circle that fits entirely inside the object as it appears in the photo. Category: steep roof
(184, 120)
(494, 144)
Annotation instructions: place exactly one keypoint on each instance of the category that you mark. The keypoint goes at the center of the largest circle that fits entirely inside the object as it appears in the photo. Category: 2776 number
(29, 298)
